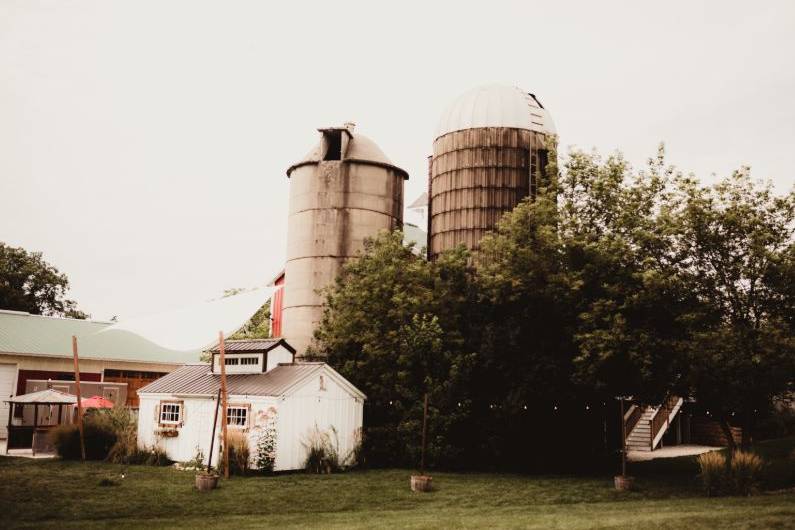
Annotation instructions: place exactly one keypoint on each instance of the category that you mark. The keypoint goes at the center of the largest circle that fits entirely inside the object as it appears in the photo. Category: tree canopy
(610, 281)
(29, 283)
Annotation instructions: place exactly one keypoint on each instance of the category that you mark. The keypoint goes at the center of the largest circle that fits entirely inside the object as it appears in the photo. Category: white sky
(143, 144)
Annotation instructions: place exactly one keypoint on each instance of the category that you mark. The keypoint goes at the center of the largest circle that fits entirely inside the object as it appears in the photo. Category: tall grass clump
(746, 470)
(322, 451)
(239, 453)
(713, 472)
(125, 450)
(100, 437)
(740, 476)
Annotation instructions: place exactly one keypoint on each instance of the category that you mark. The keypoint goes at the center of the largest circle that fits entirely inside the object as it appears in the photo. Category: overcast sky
(143, 144)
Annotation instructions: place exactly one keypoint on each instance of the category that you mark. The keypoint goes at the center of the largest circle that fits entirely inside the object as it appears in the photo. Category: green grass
(35, 493)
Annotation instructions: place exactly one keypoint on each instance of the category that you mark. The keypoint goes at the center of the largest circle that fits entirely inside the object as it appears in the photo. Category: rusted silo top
(495, 106)
(359, 148)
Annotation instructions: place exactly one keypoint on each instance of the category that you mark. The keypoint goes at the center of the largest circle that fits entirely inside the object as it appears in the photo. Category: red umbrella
(97, 402)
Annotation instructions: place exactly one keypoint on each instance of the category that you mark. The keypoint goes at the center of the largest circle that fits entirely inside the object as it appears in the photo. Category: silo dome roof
(360, 149)
(495, 106)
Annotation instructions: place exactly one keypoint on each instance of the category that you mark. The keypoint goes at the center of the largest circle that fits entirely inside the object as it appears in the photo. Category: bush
(266, 450)
(239, 453)
(150, 456)
(322, 452)
(100, 437)
(746, 468)
(125, 450)
(713, 472)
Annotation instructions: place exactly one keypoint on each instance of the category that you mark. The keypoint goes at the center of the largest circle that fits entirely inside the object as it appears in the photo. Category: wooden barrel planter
(421, 483)
(624, 483)
(206, 482)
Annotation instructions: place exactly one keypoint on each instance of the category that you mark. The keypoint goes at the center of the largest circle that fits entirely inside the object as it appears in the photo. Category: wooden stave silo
(476, 175)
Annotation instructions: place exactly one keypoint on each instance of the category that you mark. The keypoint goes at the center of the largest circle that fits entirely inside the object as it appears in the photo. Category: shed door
(8, 373)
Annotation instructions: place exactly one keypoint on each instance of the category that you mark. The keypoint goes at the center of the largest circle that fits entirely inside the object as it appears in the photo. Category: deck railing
(661, 417)
(631, 418)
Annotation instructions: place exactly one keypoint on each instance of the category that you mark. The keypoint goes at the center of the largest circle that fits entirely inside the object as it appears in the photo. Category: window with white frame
(231, 361)
(170, 413)
(249, 360)
(237, 416)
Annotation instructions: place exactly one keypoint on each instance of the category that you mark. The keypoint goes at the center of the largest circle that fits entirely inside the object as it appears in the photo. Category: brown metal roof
(48, 396)
(196, 379)
(252, 345)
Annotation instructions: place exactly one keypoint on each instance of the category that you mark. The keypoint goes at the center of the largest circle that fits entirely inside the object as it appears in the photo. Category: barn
(267, 393)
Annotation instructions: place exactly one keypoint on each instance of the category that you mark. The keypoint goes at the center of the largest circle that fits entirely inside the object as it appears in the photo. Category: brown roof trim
(272, 343)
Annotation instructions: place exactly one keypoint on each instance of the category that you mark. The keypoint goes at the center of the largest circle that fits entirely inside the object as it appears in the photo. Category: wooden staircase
(647, 425)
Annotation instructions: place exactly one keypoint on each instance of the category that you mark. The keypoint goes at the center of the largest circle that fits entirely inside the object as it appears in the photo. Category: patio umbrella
(97, 402)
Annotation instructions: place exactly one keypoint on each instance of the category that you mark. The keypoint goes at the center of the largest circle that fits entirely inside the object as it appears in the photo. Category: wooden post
(424, 434)
(212, 439)
(79, 404)
(623, 441)
(222, 363)
(11, 409)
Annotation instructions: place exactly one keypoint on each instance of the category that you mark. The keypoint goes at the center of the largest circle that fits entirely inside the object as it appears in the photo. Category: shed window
(249, 360)
(170, 413)
(231, 361)
(237, 416)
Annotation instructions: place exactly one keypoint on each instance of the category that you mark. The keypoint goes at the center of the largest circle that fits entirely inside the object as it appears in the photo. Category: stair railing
(660, 418)
(631, 418)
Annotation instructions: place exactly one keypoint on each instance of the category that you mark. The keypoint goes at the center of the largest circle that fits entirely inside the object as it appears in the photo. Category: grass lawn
(35, 493)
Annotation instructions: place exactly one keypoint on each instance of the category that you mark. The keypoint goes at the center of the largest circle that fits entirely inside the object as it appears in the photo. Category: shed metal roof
(196, 379)
(48, 396)
(252, 345)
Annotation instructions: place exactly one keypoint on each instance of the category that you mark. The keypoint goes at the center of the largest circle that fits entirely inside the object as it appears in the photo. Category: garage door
(8, 373)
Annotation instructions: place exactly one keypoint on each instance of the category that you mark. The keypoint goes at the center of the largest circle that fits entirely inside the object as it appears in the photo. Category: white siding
(196, 429)
(8, 382)
(277, 355)
(296, 414)
(308, 406)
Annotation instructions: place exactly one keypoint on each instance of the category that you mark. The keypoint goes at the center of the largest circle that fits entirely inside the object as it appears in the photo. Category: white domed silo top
(495, 106)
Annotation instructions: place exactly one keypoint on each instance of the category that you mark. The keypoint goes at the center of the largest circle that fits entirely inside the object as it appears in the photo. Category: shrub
(322, 452)
(239, 453)
(713, 472)
(266, 450)
(156, 456)
(125, 450)
(100, 437)
(746, 468)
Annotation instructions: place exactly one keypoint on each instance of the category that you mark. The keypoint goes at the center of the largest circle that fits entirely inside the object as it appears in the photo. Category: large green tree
(396, 326)
(29, 283)
(737, 242)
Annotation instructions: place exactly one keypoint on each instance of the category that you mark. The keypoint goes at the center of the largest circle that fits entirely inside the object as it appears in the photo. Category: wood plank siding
(476, 176)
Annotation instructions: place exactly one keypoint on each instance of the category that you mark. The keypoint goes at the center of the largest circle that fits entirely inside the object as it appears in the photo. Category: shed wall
(309, 406)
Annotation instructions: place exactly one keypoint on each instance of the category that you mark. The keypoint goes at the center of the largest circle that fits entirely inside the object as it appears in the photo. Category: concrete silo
(343, 191)
(490, 147)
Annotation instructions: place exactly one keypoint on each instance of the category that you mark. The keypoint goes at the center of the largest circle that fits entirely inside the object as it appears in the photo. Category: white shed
(176, 412)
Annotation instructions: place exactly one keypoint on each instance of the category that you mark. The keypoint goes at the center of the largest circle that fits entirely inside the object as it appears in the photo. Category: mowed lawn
(36, 493)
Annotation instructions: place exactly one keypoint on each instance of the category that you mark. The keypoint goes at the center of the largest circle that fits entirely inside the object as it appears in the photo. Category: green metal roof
(24, 333)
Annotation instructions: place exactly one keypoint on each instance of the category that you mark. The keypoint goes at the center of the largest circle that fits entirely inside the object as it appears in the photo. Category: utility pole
(222, 363)
(623, 441)
(79, 400)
